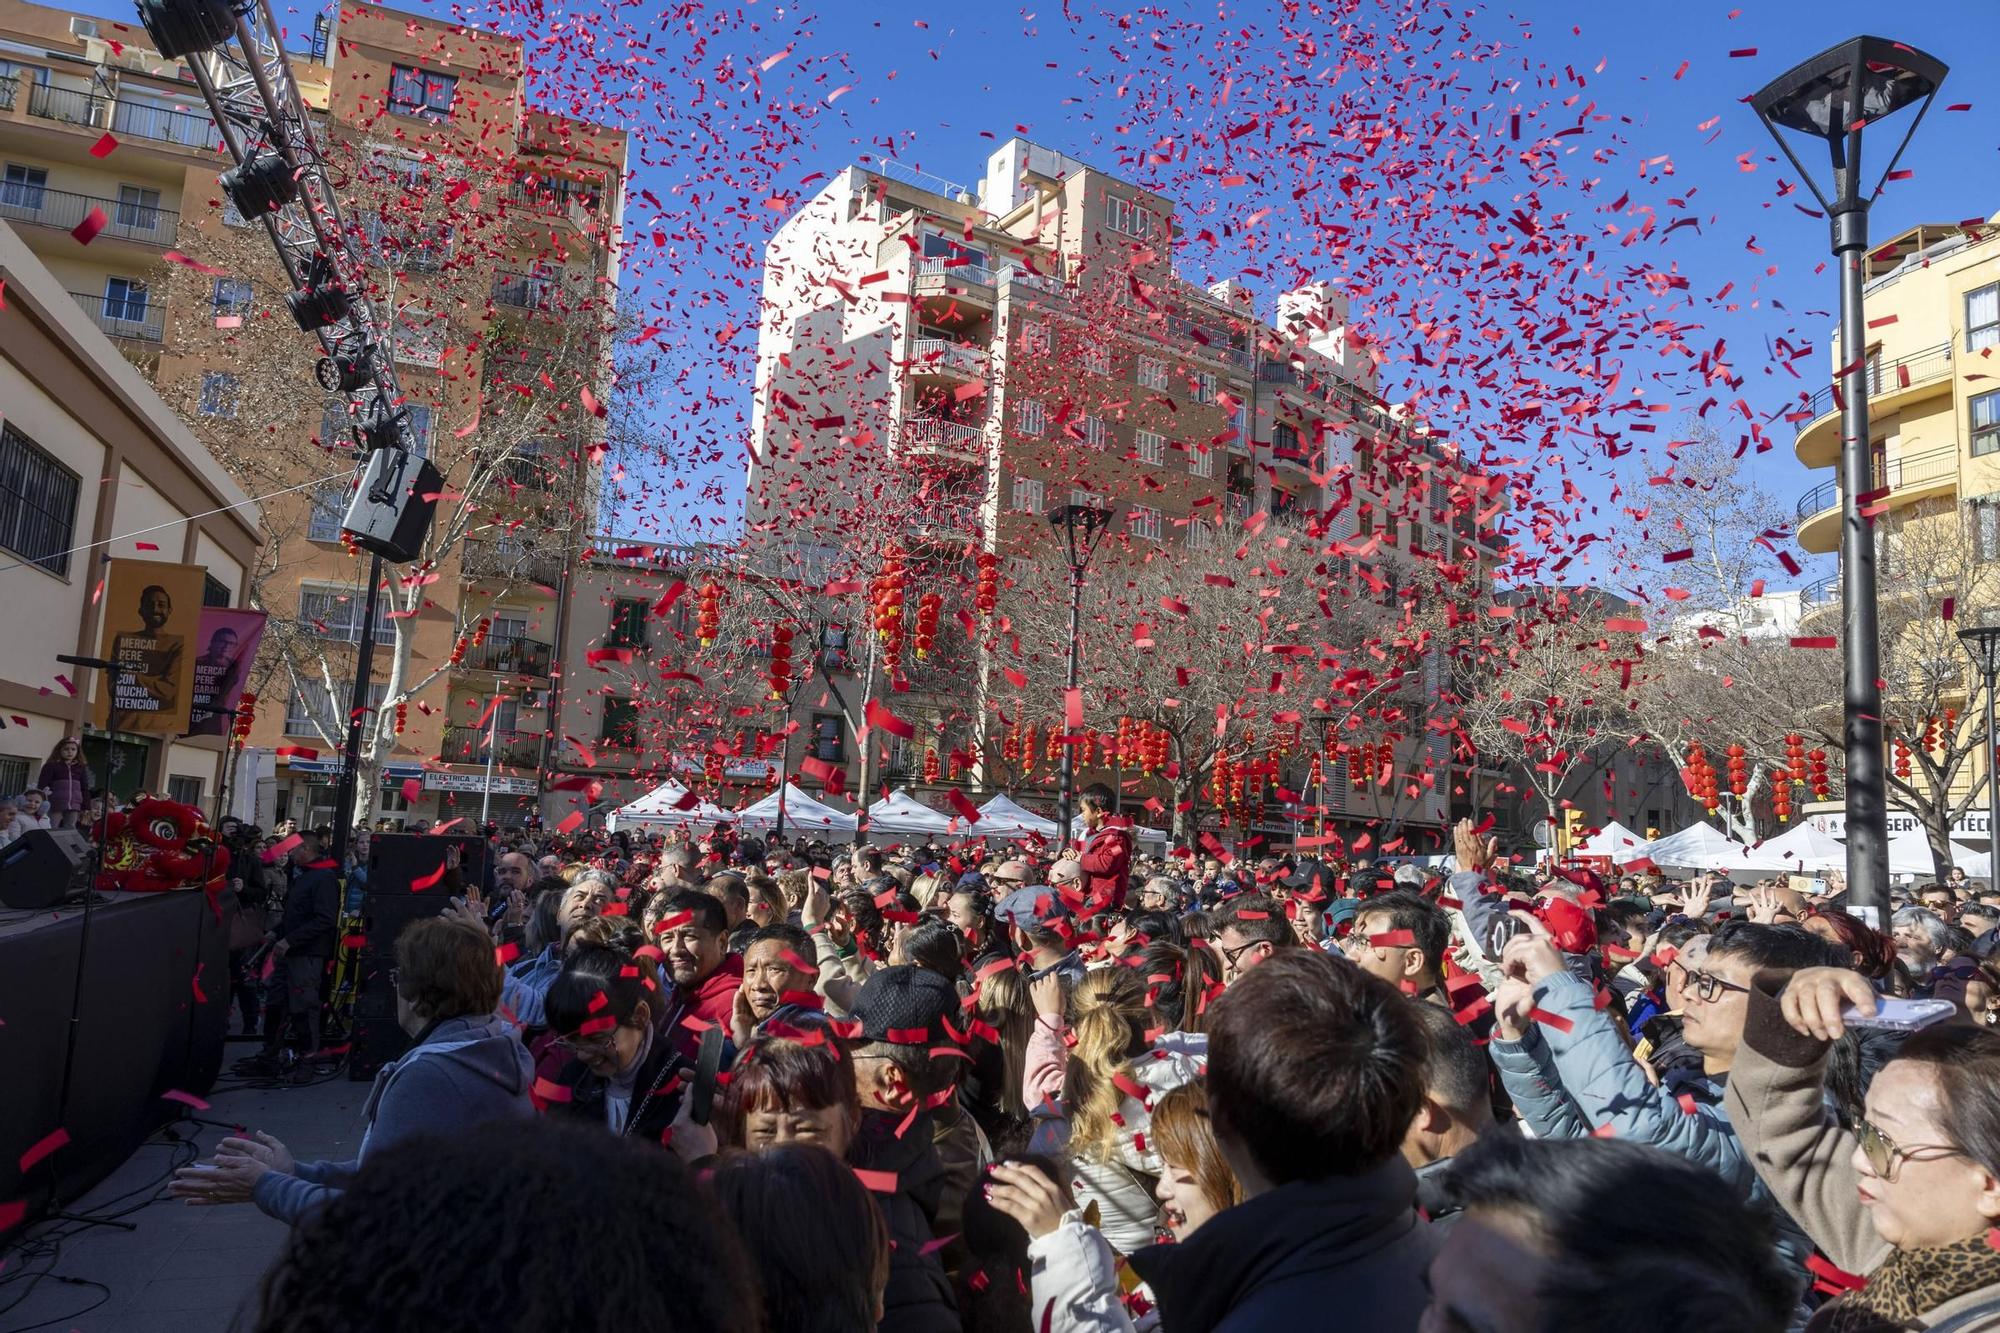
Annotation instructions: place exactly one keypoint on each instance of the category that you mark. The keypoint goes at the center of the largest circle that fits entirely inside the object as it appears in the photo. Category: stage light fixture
(262, 184)
(351, 367)
(322, 301)
(184, 27)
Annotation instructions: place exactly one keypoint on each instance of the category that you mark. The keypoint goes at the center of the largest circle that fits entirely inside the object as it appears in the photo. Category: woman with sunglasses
(1907, 1197)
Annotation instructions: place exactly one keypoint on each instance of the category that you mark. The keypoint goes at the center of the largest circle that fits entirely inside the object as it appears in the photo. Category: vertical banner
(152, 614)
(228, 641)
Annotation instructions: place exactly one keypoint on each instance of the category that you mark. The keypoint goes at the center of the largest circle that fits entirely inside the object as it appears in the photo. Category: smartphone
(1503, 930)
(708, 1063)
(1899, 1015)
(1817, 888)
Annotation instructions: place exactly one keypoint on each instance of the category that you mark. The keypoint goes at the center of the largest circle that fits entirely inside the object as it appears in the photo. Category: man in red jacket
(1106, 855)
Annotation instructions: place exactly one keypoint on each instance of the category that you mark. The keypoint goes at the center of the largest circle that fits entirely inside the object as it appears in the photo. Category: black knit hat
(905, 1006)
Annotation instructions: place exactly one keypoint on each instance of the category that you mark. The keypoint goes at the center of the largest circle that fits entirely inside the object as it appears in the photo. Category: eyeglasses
(1710, 988)
(1229, 956)
(1886, 1158)
(595, 1044)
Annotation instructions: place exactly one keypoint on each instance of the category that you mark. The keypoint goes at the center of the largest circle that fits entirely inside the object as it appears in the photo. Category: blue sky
(940, 86)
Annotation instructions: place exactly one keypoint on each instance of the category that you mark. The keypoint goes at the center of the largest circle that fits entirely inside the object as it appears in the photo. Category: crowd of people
(717, 1082)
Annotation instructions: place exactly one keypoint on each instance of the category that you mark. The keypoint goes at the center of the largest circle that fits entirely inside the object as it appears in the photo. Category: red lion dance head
(146, 850)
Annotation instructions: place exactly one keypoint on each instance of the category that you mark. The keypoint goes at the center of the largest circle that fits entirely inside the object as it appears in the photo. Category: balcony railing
(1903, 470)
(512, 657)
(527, 291)
(10, 88)
(141, 321)
(968, 272)
(578, 207)
(59, 208)
(517, 562)
(936, 433)
(1824, 593)
(1882, 377)
(941, 356)
(511, 749)
(129, 118)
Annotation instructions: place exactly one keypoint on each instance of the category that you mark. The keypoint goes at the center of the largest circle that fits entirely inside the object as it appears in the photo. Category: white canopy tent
(1696, 847)
(660, 808)
(1910, 854)
(1613, 840)
(802, 812)
(1002, 818)
(1801, 850)
(901, 814)
(1153, 839)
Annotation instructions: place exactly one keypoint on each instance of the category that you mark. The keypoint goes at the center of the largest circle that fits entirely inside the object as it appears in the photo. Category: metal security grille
(38, 498)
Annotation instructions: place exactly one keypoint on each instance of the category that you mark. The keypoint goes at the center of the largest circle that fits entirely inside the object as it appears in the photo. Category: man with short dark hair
(302, 943)
(731, 890)
(692, 934)
(1457, 1109)
(1401, 937)
(1248, 931)
(1315, 1073)
(778, 977)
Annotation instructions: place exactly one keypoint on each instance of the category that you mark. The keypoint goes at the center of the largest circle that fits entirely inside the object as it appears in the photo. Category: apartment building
(486, 223)
(94, 465)
(940, 363)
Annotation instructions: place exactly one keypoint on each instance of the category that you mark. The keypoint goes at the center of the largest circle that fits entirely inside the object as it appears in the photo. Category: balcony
(547, 294)
(576, 206)
(128, 118)
(1890, 384)
(936, 437)
(944, 280)
(511, 749)
(1907, 477)
(948, 359)
(65, 211)
(510, 657)
(143, 321)
(511, 561)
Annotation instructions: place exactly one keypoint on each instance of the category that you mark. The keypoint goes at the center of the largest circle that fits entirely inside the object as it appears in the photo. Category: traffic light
(1572, 831)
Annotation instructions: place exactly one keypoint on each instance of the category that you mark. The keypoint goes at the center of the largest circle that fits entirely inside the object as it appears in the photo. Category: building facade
(93, 465)
(487, 226)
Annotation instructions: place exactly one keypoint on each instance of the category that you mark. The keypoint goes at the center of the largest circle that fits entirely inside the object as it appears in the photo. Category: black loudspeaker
(404, 885)
(44, 867)
(392, 507)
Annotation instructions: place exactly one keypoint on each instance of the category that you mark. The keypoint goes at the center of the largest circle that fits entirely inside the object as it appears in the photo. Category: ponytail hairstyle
(1110, 1020)
(1001, 1001)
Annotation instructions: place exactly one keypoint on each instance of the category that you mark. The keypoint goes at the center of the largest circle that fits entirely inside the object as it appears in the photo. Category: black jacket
(1346, 1251)
(312, 911)
(656, 1089)
(918, 1299)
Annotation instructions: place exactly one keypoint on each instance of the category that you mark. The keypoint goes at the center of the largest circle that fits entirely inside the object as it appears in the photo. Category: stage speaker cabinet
(398, 863)
(44, 867)
(392, 507)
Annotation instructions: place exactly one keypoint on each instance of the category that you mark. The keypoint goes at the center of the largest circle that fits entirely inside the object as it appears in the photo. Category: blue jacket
(464, 1072)
(1566, 1084)
(525, 988)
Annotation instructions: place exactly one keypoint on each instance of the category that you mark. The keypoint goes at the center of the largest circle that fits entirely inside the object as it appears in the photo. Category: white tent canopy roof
(801, 812)
(1615, 841)
(1002, 818)
(1910, 854)
(661, 808)
(1801, 850)
(1698, 846)
(900, 812)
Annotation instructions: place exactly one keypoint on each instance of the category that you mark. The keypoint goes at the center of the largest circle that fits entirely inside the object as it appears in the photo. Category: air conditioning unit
(82, 28)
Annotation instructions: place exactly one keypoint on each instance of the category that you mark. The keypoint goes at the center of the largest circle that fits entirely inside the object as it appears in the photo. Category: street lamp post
(1833, 97)
(1983, 643)
(1081, 526)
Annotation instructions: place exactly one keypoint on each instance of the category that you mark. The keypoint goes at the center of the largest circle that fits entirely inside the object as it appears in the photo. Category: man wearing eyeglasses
(1571, 1075)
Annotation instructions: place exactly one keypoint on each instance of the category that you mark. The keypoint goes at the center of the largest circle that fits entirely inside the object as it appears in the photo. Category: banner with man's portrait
(152, 617)
(229, 639)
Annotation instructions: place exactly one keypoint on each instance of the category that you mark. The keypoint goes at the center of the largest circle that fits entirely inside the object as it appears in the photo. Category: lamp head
(1080, 527)
(1982, 645)
(1835, 96)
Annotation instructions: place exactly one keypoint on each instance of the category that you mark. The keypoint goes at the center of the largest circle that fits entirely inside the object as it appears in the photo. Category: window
(1202, 387)
(1200, 535)
(420, 336)
(1986, 423)
(232, 296)
(621, 724)
(184, 788)
(1035, 338)
(124, 298)
(1145, 523)
(23, 187)
(1028, 495)
(1983, 514)
(1031, 418)
(1152, 447)
(829, 738)
(218, 391)
(1152, 373)
(1201, 461)
(38, 498)
(419, 92)
(1097, 358)
(1127, 217)
(1095, 434)
(1083, 497)
(214, 592)
(335, 613)
(138, 208)
(1982, 316)
(628, 624)
(311, 711)
(15, 770)
(1285, 441)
